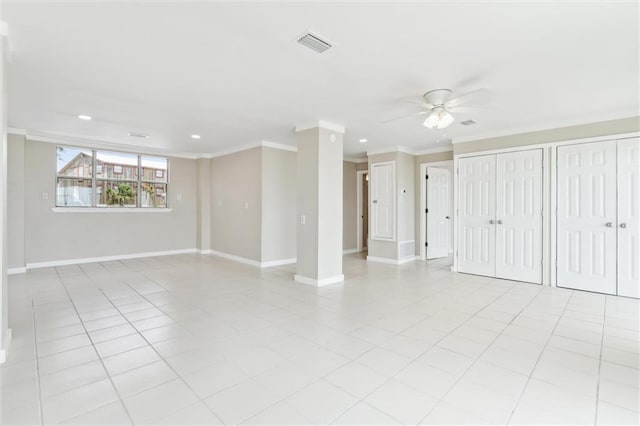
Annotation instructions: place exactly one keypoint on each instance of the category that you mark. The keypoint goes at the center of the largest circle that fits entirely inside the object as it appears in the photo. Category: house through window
(120, 179)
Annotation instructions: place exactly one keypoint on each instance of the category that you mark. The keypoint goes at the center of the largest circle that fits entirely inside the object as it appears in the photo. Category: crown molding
(245, 147)
(339, 128)
(433, 150)
(98, 144)
(355, 160)
(512, 131)
(281, 146)
(410, 151)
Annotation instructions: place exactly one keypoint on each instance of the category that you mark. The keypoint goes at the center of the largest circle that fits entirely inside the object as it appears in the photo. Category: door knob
(623, 225)
(492, 221)
(375, 201)
(608, 224)
(446, 217)
(499, 222)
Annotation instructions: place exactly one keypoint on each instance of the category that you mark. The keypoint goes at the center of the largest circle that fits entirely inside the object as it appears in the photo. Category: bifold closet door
(586, 217)
(519, 216)
(629, 217)
(477, 212)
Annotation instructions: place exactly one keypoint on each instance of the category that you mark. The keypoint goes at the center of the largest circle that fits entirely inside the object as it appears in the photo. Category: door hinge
(426, 210)
(426, 244)
(426, 177)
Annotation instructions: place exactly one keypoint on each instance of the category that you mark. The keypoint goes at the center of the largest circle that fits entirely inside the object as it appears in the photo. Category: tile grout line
(604, 320)
(35, 348)
(515, 406)
(99, 358)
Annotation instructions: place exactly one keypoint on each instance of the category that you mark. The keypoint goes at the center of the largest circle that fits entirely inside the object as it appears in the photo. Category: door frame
(359, 175)
(549, 194)
(422, 228)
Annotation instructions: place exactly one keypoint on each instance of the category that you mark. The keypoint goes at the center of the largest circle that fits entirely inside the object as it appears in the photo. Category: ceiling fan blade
(404, 116)
(473, 96)
(466, 108)
(421, 103)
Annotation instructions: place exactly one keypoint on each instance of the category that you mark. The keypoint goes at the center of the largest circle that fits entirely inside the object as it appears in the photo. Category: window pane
(73, 192)
(154, 169)
(74, 162)
(116, 194)
(153, 195)
(116, 165)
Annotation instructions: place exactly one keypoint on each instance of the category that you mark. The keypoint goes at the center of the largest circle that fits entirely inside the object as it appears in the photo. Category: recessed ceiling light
(138, 135)
(195, 136)
(363, 140)
(84, 117)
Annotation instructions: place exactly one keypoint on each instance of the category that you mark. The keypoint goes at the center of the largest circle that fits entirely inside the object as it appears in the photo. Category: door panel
(476, 208)
(383, 201)
(519, 216)
(629, 217)
(586, 217)
(438, 215)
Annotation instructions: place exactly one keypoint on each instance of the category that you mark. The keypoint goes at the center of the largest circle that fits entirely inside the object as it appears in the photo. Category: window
(120, 179)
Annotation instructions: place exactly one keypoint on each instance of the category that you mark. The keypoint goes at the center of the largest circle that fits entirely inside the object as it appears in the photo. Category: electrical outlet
(179, 197)
(45, 195)
(303, 219)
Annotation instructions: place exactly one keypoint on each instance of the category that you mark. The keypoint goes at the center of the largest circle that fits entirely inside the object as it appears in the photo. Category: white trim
(422, 230)
(339, 128)
(68, 140)
(15, 271)
(279, 262)
(434, 150)
(359, 208)
(351, 251)
(276, 145)
(66, 262)
(514, 131)
(318, 283)
(391, 261)
(252, 145)
(234, 258)
(5, 347)
(110, 210)
(355, 160)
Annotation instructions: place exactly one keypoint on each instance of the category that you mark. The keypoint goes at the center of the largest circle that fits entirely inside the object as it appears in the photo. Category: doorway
(363, 210)
(436, 207)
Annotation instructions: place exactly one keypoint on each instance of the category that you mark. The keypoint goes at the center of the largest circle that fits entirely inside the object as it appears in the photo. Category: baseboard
(318, 283)
(67, 262)
(351, 251)
(5, 347)
(13, 271)
(279, 262)
(390, 261)
(267, 264)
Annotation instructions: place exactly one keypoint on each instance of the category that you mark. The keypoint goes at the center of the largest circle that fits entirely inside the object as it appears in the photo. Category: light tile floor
(199, 340)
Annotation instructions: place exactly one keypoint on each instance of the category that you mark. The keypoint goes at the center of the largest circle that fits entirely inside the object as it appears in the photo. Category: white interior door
(476, 214)
(586, 217)
(519, 216)
(629, 217)
(383, 201)
(438, 213)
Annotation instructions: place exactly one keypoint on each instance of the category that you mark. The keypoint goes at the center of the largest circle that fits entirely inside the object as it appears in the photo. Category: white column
(5, 332)
(319, 200)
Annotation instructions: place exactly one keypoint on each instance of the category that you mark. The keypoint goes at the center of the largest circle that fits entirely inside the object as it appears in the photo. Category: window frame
(94, 179)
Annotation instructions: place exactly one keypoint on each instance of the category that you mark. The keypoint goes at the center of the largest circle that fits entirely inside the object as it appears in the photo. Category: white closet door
(477, 212)
(438, 215)
(629, 217)
(383, 177)
(519, 216)
(586, 217)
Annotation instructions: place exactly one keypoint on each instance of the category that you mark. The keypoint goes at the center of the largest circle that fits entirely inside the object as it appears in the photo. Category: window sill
(110, 210)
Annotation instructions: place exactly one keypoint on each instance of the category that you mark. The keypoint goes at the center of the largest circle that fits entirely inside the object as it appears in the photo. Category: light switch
(179, 197)
(303, 219)
(246, 205)
(45, 195)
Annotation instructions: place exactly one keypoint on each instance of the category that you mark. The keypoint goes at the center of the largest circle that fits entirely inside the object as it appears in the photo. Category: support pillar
(319, 204)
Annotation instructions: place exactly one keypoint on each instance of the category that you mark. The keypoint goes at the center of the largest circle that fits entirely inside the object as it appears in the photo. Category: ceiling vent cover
(468, 123)
(314, 42)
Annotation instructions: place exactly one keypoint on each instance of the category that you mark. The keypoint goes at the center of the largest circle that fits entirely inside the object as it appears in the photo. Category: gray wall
(15, 201)
(278, 204)
(236, 204)
(203, 205)
(51, 236)
(350, 206)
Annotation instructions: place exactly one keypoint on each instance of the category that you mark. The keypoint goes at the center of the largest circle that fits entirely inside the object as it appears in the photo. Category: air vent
(468, 123)
(314, 42)
(138, 135)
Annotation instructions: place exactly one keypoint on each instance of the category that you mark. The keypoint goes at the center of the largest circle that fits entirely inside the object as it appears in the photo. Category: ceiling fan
(439, 108)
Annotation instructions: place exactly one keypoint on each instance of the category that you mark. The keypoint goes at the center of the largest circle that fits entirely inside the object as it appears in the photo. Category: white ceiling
(234, 74)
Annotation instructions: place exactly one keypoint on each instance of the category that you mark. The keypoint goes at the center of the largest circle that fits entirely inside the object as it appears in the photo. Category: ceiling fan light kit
(438, 118)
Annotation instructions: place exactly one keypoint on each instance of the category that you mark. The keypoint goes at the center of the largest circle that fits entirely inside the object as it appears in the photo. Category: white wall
(51, 236)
